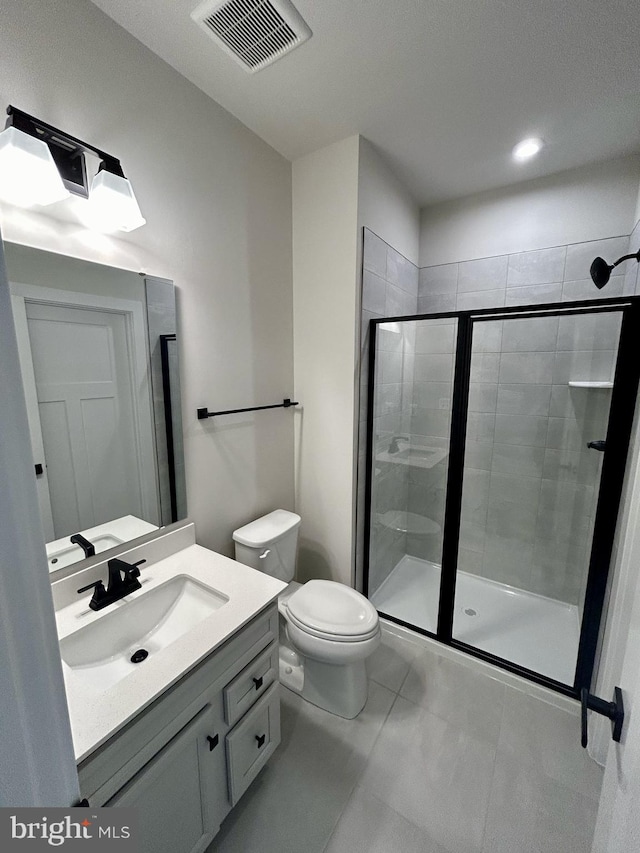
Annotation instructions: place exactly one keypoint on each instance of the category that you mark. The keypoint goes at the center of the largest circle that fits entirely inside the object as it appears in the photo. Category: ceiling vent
(255, 32)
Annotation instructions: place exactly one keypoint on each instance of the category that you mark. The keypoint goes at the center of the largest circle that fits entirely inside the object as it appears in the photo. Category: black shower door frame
(620, 424)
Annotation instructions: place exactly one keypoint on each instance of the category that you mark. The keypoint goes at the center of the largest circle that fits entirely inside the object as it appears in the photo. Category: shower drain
(470, 611)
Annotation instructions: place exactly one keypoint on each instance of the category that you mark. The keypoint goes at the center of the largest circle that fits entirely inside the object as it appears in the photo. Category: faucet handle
(134, 571)
(98, 599)
(99, 587)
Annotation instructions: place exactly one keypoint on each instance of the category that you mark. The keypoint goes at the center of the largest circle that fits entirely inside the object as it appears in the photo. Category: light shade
(28, 173)
(527, 149)
(112, 203)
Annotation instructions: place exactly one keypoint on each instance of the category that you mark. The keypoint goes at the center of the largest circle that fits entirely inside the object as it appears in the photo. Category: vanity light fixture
(527, 149)
(40, 164)
(28, 173)
(113, 205)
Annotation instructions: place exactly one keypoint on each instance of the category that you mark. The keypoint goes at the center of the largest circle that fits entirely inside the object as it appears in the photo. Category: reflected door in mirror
(86, 413)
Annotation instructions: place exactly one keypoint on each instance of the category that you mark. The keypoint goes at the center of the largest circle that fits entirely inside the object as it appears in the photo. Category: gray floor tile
(531, 813)
(389, 664)
(456, 693)
(469, 766)
(547, 738)
(434, 774)
(369, 826)
(295, 802)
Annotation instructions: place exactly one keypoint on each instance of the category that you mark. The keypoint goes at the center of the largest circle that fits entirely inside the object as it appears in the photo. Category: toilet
(327, 629)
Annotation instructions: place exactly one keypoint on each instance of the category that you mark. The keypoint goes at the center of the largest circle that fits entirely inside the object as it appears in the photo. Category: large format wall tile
(373, 293)
(530, 334)
(581, 255)
(522, 399)
(536, 294)
(374, 256)
(438, 280)
(540, 267)
(526, 367)
(473, 301)
(483, 274)
(573, 291)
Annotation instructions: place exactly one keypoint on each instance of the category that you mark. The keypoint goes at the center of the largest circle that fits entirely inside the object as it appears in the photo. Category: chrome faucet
(393, 446)
(123, 579)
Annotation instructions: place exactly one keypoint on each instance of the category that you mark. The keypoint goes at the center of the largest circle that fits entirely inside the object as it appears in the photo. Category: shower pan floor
(538, 633)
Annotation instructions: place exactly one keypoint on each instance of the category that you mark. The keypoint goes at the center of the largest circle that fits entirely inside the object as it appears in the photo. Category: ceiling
(443, 88)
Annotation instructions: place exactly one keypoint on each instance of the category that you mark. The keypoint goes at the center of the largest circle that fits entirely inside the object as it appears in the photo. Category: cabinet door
(252, 742)
(173, 815)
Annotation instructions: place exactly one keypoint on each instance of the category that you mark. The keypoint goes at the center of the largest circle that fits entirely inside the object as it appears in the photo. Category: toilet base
(339, 689)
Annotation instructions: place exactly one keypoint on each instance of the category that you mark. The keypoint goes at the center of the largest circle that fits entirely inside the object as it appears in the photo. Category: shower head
(601, 271)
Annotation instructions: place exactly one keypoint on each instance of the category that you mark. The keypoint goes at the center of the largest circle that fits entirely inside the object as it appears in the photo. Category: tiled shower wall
(525, 468)
(530, 484)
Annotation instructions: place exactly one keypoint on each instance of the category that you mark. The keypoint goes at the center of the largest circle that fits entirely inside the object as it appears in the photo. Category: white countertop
(62, 553)
(96, 716)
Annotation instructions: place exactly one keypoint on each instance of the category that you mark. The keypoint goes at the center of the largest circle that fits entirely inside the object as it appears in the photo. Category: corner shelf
(596, 385)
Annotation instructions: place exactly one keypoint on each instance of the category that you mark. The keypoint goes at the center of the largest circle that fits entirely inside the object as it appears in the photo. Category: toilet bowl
(328, 629)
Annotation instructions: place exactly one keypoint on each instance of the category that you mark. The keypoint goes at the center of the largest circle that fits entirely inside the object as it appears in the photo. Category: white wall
(589, 203)
(325, 210)
(618, 824)
(385, 205)
(218, 206)
(336, 192)
(36, 752)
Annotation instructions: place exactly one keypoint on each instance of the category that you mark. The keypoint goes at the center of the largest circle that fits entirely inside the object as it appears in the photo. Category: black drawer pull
(213, 742)
(258, 682)
(261, 740)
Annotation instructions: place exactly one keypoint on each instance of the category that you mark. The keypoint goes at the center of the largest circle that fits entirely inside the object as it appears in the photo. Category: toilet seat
(332, 611)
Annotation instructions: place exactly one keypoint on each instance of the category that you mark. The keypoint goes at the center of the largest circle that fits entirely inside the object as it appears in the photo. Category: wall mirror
(99, 363)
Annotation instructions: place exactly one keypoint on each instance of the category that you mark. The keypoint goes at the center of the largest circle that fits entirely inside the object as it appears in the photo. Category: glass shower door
(411, 403)
(539, 400)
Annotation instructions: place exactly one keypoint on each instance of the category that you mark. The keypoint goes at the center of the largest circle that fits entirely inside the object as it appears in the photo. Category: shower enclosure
(497, 444)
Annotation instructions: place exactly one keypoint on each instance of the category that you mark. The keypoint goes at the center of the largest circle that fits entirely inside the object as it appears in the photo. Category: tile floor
(443, 759)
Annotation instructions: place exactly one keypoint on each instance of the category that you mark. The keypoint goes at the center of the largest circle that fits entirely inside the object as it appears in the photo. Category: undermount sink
(68, 553)
(418, 454)
(101, 652)
(421, 456)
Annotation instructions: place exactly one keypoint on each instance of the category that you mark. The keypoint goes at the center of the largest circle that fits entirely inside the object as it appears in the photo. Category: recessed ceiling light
(527, 149)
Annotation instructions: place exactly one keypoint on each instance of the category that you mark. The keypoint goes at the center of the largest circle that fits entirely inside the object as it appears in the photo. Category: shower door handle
(600, 445)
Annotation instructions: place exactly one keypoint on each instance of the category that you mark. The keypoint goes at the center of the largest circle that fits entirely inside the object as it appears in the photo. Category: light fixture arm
(58, 139)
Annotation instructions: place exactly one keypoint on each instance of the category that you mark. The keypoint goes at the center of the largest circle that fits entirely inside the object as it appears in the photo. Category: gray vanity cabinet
(176, 794)
(187, 759)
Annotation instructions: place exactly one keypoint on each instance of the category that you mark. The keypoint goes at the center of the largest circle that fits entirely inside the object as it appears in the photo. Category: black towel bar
(205, 413)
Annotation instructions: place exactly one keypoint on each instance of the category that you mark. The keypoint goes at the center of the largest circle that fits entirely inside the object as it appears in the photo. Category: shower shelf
(596, 385)
(409, 522)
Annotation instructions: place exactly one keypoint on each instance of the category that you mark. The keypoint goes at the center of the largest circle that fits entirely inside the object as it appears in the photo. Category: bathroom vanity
(182, 734)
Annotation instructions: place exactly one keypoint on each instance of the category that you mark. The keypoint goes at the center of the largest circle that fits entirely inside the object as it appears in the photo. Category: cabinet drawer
(252, 743)
(252, 683)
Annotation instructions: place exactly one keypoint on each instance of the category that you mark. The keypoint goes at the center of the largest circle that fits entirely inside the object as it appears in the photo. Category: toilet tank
(269, 544)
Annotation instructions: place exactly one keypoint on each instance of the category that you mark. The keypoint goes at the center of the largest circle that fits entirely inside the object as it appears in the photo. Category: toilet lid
(327, 608)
